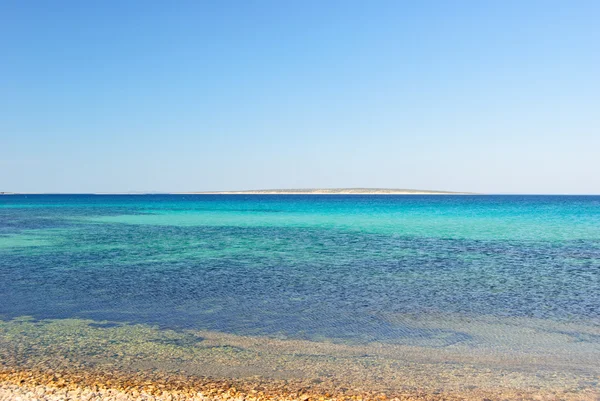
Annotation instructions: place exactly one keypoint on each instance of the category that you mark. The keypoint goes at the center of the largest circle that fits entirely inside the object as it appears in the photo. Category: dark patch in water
(104, 325)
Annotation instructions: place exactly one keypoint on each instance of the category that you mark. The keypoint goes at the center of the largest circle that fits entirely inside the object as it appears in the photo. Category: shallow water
(458, 278)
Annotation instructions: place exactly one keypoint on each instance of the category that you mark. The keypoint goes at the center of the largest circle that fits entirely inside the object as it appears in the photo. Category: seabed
(73, 359)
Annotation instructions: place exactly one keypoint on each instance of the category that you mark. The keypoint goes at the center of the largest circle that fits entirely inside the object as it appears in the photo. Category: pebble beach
(64, 386)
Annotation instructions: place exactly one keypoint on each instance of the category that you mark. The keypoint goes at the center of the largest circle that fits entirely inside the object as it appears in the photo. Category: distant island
(301, 191)
(335, 191)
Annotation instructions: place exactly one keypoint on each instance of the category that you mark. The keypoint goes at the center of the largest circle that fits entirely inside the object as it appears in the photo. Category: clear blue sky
(486, 96)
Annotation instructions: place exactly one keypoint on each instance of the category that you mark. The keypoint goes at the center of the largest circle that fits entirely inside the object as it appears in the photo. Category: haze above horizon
(486, 97)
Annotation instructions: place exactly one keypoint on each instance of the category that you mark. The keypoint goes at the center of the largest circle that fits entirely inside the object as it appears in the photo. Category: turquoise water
(351, 269)
(483, 296)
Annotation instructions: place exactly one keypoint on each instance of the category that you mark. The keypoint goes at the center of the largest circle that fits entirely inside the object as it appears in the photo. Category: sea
(393, 292)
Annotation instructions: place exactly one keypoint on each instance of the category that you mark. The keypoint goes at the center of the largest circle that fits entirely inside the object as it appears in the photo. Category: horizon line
(252, 192)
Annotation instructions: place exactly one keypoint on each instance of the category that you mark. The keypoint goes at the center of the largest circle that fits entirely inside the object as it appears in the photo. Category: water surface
(509, 276)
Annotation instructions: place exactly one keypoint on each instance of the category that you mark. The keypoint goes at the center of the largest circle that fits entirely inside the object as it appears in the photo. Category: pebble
(19, 385)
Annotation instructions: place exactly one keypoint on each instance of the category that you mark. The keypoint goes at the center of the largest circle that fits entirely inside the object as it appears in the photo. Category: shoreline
(319, 193)
(91, 385)
(332, 191)
(51, 360)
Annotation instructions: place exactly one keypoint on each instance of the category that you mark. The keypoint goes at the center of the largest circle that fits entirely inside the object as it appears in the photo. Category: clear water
(427, 271)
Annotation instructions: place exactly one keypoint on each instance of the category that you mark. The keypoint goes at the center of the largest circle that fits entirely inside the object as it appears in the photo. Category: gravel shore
(12, 392)
(16, 385)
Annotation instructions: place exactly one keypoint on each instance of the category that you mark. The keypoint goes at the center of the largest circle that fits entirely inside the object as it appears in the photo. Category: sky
(481, 96)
